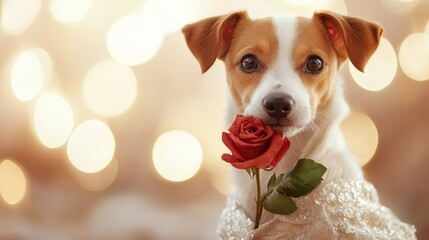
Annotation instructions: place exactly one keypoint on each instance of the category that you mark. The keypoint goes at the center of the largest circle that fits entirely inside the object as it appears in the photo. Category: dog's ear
(210, 38)
(351, 37)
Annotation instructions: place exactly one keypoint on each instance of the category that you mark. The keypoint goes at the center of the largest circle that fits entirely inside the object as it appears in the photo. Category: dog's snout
(278, 105)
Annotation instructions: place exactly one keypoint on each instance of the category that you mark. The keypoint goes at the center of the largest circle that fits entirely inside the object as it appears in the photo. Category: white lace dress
(339, 209)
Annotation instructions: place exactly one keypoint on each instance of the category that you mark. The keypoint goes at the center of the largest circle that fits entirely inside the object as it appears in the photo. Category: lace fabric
(339, 209)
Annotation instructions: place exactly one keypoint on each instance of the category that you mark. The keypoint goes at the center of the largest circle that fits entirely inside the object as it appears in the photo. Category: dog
(284, 70)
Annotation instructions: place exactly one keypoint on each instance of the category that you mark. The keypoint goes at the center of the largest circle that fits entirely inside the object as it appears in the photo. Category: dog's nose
(278, 105)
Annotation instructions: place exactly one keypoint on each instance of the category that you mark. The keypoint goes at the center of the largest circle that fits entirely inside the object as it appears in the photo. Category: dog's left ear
(351, 37)
(210, 38)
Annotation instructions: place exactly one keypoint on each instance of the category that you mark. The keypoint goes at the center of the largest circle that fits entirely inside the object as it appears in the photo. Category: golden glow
(53, 120)
(380, 69)
(91, 146)
(133, 40)
(170, 16)
(100, 180)
(177, 155)
(361, 136)
(308, 3)
(221, 177)
(28, 75)
(13, 183)
(413, 57)
(18, 15)
(427, 35)
(69, 10)
(338, 6)
(110, 88)
(400, 7)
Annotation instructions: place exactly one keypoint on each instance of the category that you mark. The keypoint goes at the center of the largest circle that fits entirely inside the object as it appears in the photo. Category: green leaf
(271, 183)
(304, 177)
(278, 203)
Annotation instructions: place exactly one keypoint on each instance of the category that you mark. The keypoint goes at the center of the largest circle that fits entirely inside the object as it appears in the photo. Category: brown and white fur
(282, 90)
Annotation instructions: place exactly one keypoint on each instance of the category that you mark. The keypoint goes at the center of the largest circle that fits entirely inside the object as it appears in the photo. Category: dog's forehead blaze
(311, 39)
(255, 37)
(259, 37)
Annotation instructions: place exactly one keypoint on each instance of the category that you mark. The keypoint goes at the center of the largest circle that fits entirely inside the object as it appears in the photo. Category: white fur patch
(281, 77)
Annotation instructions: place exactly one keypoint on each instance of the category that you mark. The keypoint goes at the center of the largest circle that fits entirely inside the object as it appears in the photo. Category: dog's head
(282, 69)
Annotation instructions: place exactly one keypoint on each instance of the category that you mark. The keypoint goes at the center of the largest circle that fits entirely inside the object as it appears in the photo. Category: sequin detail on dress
(339, 209)
(234, 224)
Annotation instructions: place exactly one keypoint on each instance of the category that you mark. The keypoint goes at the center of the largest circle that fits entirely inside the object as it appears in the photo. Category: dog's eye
(249, 63)
(314, 64)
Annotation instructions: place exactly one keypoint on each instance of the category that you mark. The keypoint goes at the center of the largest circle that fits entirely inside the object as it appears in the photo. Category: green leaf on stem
(304, 177)
(271, 183)
(278, 203)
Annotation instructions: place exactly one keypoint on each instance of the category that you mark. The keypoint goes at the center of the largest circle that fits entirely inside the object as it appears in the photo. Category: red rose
(253, 144)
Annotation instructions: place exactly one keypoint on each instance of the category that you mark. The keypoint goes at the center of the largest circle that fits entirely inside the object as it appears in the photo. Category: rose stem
(258, 200)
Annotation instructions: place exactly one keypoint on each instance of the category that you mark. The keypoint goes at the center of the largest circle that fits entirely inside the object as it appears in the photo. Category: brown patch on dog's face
(311, 42)
(251, 38)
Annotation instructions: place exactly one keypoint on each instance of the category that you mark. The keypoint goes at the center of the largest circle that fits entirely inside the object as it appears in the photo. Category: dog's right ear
(210, 38)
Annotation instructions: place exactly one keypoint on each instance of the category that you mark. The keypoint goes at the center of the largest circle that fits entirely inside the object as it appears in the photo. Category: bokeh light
(380, 69)
(110, 88)
(18, 15)
(29, 73)
(68, 11)
(53, 120)
(170, 16)
(307, 3)
(399, 7)
(310, 6)
(177, 155)
(427, 35)
(98, 181)
(133, 40)
(413, 57)
(91, 146)
(361, 136)
(13, 183)
(221, 177)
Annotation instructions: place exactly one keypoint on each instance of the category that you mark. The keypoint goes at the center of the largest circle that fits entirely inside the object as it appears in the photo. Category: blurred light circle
(177, 155)
(133, 40)
(380, 69)
(110, 88)
(413, 57)
(53, 120)
(169, 15)
(91, 146)
(427, 34)
(28, 74)
(100, 180)
(338, 6)
(307, 3)
(361, 136)
(18, 15)
(68, 11)
(13, 183)
(399, 7)
(45, 61)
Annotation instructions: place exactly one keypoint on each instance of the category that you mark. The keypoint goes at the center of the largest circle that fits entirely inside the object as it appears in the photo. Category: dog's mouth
(288, 127)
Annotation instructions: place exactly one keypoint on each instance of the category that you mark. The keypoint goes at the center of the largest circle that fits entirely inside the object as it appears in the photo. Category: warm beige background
(172, 94)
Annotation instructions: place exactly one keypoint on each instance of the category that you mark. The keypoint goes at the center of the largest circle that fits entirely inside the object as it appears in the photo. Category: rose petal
(244, 165)
(253, 144)
(229, 143)
(248, 150)
(228, 158)
(282, 151)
